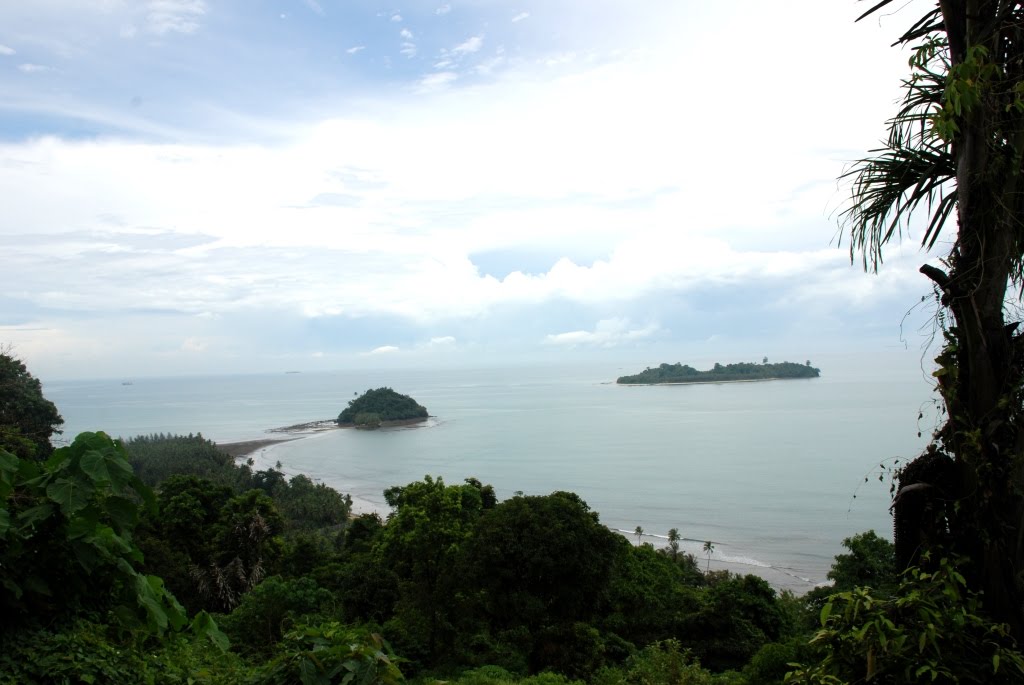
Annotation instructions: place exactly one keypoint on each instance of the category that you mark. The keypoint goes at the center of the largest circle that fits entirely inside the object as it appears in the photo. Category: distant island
(381, 407)
(744, 371)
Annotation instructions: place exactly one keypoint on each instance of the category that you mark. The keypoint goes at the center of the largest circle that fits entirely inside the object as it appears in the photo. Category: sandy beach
(247, 447)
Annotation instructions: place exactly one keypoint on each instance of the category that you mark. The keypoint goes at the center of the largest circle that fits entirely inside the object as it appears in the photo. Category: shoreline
(243, 448)
(266, 453)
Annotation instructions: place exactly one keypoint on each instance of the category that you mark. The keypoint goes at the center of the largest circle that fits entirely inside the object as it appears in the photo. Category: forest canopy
(743, 371)
(375, 407)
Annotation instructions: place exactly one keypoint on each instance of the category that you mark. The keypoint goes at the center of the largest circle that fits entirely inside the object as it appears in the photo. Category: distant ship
(127, 383)
(293, 372)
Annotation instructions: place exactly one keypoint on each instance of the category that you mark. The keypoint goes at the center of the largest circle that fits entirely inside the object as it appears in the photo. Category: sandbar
(244, 448)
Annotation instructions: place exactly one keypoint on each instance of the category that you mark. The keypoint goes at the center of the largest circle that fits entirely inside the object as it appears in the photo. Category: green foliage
(367, 419)
(679, 373)
(367, 587)
(385, 403)
(539, 560)
(67, 537)
(245, 545)
(737, 616)
(574, 649)
(649, 594)
(871, 562)
(420, 543)
(27, 419)
(308, 506)
(157, 457)
(495, 675)
(188, 660)
(930, 631)
(361, 532)
(331, 653)
(84, 653)
(222, 527)
(68, 551)
(772, 662)
(272, 607)
(90, 652)
(661, 663)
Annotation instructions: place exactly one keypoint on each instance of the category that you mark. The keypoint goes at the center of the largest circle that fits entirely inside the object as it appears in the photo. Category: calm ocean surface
(772, 472)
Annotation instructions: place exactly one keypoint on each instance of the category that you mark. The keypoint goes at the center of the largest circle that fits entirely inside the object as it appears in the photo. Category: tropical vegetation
(743, 371)
(378, 407)
(160, 560)
(157, 561)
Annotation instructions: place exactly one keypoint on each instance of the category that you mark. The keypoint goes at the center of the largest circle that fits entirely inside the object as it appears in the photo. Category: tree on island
(956, 150)
(743, 371)
(375, 407)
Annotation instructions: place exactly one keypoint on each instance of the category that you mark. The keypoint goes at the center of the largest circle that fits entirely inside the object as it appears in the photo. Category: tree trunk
(983, 431)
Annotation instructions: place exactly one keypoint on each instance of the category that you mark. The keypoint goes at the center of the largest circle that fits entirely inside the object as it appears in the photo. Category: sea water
(775, 474)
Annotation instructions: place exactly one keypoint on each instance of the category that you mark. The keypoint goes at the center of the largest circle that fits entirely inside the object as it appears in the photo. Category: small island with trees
(382, 407)
(672, 374)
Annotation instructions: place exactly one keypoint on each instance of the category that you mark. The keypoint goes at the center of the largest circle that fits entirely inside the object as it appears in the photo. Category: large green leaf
(94, 464)
(84, 523)
(8, 462)
(107, 465)
(37, 514)
(5, 522)
(123, 512)
(72, 495)
(107, 539)
(161, 607)
(204, 625)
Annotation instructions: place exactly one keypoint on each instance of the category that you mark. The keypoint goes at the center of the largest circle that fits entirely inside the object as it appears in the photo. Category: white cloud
(405, 33)
(315, 6)
(443, 340)
(469, 46)
(489, 66)
(443, 9)
(519, 17)
(174, 16)
(355, 48)
(193, 345)
(4, 50)
(384, 349)
(408, 50)
(29, 68)
(396, 17)
(596, 187)
(607, 333)
(432, 82)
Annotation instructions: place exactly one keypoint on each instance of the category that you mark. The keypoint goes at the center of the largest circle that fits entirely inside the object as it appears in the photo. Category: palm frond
(888, 188)
(915, 169)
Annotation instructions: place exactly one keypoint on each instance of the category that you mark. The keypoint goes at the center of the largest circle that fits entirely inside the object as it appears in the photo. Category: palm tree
(639, 532)
(709, 549)
(955, 164)
(673, 542)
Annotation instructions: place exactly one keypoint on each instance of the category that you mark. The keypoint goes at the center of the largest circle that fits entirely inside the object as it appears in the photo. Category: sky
(227, 186)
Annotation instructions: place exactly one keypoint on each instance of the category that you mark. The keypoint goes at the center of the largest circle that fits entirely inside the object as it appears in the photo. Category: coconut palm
(673, 542)
(709, 549)
(639, 532)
